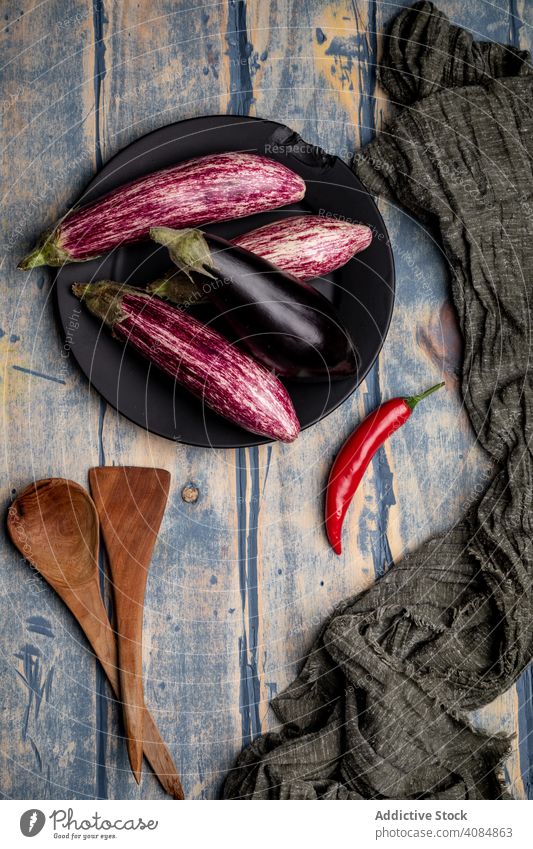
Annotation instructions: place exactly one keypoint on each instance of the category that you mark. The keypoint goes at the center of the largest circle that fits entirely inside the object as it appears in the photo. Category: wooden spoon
(54, 525)
(130, 501)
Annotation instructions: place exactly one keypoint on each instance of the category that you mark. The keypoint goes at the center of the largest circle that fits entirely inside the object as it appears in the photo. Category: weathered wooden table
(241, 579)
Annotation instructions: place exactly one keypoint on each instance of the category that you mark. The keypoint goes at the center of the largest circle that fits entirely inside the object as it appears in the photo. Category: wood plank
(49, 675)
(191, 674)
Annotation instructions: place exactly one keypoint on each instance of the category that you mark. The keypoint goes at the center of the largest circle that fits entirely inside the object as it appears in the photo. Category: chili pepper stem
(413, 400)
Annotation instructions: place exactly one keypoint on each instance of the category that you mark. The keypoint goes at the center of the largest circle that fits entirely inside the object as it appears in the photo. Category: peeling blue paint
(242, 523)
(239, 51)
(241, 98)
(253, 587)
(381, 551)
(40, 625)
(99, 20)
(367, 51)
(246, 734)
(101, 698)
(37, 689)
(241, 555)
(320, 36)
(36, 752)
(249, 695)
(39, 374)
(267, 469)
(349, 46)
(272, 688)
(515, 24)
(212, 52)
(367, 54)
(524, 690)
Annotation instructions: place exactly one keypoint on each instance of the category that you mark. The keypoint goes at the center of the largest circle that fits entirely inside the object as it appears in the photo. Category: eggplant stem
(104, 299)
(46, 252)
(176, 287)
(188, 249)
(34, 259)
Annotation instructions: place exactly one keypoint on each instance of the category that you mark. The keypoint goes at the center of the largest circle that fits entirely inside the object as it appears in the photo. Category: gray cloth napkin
(379, 709)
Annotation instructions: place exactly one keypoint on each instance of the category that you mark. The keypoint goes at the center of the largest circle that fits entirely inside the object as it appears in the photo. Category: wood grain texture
(242, 578)
(49, 676)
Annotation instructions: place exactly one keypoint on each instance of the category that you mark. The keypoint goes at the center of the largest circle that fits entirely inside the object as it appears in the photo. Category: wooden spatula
(130, 502)
(54, 525)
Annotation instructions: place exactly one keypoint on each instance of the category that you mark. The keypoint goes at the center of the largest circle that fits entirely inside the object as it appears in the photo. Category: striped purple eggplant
(199, 358)
(212, 188)
(306, 246)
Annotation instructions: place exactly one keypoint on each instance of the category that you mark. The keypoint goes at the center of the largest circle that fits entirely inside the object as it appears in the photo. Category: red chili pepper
(355, 455)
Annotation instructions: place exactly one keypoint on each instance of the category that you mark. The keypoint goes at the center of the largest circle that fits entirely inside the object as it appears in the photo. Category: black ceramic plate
(362, 291)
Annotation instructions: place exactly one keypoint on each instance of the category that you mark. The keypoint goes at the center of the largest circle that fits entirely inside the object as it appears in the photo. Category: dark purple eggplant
(285, 323)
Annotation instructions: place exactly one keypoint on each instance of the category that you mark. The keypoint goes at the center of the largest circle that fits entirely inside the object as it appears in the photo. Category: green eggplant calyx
(46, 252)
(176, 287)
(103, 299)
(188, 249)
